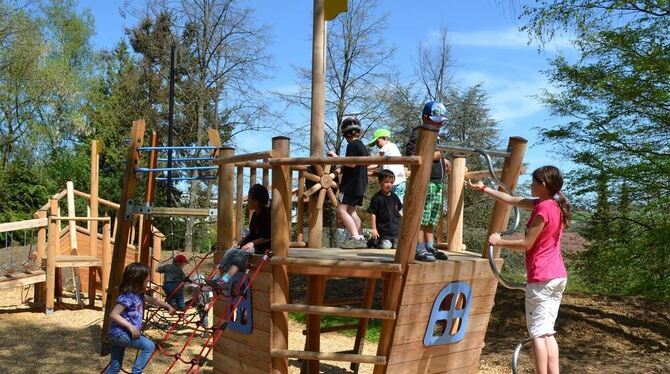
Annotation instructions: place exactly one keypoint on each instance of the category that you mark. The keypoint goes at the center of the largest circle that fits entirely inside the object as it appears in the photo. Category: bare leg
(540, 355)
(552, 355)
(428, 233)
(356, 218)
(420, 238)
(347, 219)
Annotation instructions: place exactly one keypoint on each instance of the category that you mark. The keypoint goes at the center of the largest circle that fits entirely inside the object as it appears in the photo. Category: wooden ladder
(371, 271)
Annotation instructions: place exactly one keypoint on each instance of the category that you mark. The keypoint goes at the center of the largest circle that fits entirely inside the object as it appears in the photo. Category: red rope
(223, 326)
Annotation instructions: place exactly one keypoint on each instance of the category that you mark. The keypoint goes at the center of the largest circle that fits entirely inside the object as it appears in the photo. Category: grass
(372, 335)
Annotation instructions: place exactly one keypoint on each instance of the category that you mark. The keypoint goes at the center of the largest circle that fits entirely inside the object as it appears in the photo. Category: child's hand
(375, 234)
(171, 309)
(332, 154)
(249, 247)
(134, 332)
(474, 186)
(495, 238)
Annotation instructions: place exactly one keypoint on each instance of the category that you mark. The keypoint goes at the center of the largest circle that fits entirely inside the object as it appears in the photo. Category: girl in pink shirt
(544, 264)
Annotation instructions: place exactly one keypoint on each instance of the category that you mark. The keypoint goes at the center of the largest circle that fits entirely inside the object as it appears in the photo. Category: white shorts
(542, 302)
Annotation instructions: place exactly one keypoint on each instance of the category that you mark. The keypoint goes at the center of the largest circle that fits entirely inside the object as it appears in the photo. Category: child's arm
(161, 304)
(373, 225)
(251, 244)
(506, 198)
(525, 244)
(115, 315)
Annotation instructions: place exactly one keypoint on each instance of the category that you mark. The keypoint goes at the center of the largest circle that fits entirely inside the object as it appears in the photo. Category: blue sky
(486, 48)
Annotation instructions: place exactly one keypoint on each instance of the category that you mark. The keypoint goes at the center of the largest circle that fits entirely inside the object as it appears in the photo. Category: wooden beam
(455, 206)
(27, 224)
(52, 249)
(358, 160)
(349, 265)
(94, 200)
(65, 261)
(413, 208)
(368, 298)
(180, 212)
(300, 204)
(40, 289)
(124, 219)
(244, 157)
(102, 201)
(281, 200)
(74, 219)
(106, 259)
(145, 241)
(329, 356)
(239, 203)
(22, 279)
(334, 311)
(224, 223)
(325, 330)
(510, 176)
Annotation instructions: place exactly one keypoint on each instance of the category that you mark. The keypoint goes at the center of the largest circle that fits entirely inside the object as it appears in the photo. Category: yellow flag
(334, 7)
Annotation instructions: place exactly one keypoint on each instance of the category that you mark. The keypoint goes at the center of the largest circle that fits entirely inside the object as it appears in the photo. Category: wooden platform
(23, 278)
(366, 255)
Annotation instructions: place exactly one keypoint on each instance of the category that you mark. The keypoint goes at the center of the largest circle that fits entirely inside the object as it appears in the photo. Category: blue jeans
(118, 345)
(178, 299)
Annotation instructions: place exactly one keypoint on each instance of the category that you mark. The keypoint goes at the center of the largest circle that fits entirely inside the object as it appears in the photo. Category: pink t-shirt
(544, 261)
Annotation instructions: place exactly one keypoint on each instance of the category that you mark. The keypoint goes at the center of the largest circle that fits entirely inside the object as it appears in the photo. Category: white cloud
(509, 99)
(509, 38)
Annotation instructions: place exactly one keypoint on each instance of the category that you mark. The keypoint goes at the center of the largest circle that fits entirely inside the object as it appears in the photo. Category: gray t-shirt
(173, 273)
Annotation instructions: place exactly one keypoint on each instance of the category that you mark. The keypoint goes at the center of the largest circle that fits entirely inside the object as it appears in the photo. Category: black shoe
(439, 255)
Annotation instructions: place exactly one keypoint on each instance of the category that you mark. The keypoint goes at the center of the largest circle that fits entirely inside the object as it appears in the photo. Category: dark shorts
(351, 200)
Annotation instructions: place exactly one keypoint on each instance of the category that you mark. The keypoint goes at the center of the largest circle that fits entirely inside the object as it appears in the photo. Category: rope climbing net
(187, 321)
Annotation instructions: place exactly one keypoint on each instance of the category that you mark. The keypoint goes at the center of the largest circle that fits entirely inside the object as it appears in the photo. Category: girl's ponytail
(566, 209)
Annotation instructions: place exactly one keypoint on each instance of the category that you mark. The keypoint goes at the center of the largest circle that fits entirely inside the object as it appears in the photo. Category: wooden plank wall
(84, 250)
(424, 282)
(241, 353)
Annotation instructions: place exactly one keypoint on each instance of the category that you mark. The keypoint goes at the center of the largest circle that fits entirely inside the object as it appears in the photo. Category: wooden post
(72, 224)
(510, 176)
(157, 253)
(266, 178)
(300, 204)
(40, 288)
(106, 259)
(239, 206)
(455, 207)
(94, 200)
(224, 224)
(124, 218)
(368, 299)
(145, 226)
(413, 208)
(281, 194)
(52, 250)
(252, 180)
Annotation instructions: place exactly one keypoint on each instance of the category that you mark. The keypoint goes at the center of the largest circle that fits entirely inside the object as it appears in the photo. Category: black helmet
(350, 124)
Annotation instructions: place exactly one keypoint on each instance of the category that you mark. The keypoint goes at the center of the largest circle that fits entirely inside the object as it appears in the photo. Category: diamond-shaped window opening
(449, 315)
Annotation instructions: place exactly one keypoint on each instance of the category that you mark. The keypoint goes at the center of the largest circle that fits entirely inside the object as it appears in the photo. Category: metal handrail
(512, 229)
(517, 351)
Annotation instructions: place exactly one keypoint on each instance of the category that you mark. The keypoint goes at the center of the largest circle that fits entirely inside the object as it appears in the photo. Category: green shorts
(431, 210)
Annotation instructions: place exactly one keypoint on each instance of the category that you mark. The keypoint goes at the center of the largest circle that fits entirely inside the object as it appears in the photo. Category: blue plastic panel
(449, 295)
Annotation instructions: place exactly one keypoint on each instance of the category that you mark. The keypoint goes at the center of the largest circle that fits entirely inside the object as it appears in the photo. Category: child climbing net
(184, 320)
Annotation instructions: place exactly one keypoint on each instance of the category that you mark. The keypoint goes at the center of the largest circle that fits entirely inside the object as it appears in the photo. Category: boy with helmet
(433, 116)
(353, 184)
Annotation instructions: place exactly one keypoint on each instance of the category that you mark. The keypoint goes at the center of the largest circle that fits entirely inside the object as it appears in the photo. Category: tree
(357, 61)
(616, 100)
(434, 65)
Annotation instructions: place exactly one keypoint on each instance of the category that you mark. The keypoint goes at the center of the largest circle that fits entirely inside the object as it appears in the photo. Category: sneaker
(424, 256)
(386, 244)
(352, 243)
(439, 255)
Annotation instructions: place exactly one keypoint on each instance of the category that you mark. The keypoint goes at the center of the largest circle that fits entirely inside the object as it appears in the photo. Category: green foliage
(616, 98)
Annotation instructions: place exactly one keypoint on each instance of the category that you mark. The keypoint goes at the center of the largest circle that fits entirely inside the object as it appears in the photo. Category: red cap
(180, 259)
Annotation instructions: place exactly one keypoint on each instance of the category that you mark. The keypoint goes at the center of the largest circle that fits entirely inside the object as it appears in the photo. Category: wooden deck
(21, 279)
(366, 255)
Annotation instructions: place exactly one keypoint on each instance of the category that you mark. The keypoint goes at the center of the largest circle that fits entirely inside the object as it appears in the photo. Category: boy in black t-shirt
(352, 184)
(385, 213)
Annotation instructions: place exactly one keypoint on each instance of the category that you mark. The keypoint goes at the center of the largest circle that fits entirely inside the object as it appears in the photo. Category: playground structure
(434, 315)
(62, 243)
